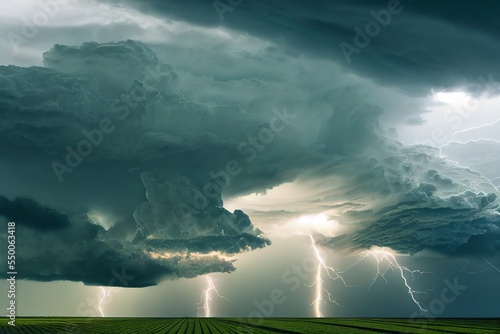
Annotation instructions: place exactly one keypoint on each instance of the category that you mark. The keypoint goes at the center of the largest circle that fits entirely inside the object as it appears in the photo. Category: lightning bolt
(468, 272)
(385, 260)
(382, 257)
(104, 295)
(491, 265)
(139, 229)
(320, 292)
(206, 297)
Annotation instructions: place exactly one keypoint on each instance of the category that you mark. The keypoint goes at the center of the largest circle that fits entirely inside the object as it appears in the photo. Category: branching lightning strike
(320, 291)
(488, 267)
(381, 257)
(204, 304)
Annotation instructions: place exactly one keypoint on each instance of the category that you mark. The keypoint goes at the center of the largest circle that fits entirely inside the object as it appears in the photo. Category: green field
(241, 325)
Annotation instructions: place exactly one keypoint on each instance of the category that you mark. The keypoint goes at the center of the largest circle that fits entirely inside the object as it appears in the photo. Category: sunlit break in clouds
(249, 160)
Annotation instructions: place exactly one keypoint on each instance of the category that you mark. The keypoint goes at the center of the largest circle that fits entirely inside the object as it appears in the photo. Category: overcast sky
(148, 145)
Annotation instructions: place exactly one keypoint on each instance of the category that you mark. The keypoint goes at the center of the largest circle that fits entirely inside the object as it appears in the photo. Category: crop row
(243, 326)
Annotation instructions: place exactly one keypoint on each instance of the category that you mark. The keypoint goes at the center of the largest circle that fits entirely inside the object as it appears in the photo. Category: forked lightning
(204, 304)
(381, 257)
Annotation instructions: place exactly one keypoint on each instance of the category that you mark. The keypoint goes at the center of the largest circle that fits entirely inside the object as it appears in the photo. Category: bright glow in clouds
(101, 219)
(300, 212)
(449, 113)
(316, 224)
(189, 255)
(78, 16)
(308, 224)
(453, 98)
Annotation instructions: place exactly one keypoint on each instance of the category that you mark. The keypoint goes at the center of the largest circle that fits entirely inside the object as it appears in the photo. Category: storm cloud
(29, 213)
(61, 116)
(139, 155)
(430, 204)
(414, 48)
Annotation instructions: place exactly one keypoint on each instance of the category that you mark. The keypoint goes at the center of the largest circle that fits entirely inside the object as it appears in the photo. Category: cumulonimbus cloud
(138, 155)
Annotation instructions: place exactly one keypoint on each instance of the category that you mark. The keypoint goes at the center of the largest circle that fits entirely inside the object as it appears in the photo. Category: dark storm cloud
(425, 45)
(408, 230)
(108, 263)
(29, 213)
(230, 245)
(58, 114)
(71, 248)
(174, 142)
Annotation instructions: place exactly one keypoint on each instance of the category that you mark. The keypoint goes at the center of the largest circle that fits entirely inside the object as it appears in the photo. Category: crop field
(241, 325)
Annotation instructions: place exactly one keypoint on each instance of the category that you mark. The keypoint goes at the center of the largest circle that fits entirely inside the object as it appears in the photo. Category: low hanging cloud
(28, 212)
(138, 156)
(80, 252)
(391, 42)
(115, 105)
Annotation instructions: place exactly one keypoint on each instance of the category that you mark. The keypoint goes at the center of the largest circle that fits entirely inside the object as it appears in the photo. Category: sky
(335, 159)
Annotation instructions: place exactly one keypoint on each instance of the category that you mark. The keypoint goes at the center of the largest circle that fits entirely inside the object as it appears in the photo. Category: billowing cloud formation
(79, 252)
(393, 42)
(138, 155)
(113, 105)
(424, 202)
